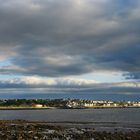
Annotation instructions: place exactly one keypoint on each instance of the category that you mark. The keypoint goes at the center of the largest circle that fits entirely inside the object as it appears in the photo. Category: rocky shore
(23, 130)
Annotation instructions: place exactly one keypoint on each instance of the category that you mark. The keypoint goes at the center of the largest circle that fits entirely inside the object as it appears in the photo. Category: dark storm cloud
(60, 38)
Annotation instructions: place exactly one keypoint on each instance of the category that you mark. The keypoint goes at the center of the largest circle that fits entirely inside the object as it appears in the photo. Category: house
(37, 105)
(89, 105)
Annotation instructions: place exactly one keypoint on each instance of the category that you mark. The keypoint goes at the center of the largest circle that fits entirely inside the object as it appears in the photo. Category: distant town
(63, 103)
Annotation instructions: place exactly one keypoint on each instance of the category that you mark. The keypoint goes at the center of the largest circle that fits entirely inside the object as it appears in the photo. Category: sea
(126, 119)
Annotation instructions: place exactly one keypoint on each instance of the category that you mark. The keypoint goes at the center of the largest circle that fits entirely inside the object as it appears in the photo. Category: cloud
(61, 38)
(66, 85)
(40, 82)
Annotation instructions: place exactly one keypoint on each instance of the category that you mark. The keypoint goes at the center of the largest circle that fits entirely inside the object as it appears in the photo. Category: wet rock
(18, 130)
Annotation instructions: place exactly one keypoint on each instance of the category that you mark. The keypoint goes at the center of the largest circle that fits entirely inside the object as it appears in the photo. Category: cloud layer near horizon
(70, 37)
(39, 85)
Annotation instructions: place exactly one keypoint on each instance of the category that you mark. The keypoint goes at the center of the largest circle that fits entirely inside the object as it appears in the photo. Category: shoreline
(20, 129)
(100, 126)
(44, 108)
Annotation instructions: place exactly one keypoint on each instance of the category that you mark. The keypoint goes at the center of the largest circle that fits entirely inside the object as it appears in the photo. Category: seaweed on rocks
(22, 130)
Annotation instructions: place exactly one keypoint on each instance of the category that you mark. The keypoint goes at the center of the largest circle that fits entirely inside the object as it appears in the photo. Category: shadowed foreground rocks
(23, 130)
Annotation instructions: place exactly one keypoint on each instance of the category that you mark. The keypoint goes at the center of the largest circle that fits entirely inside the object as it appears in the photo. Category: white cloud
(36, 80)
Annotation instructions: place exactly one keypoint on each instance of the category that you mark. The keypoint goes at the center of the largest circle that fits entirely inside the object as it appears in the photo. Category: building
(37, 105)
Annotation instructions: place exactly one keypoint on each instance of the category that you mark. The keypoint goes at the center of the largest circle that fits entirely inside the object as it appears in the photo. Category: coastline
(44, 108)
(98, 126)
(20, 129)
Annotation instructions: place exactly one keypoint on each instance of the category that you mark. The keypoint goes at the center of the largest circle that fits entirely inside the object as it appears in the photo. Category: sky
(69, 46)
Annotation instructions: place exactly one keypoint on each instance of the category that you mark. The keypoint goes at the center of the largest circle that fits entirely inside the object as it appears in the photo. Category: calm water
(127, 119)
(128, 115)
